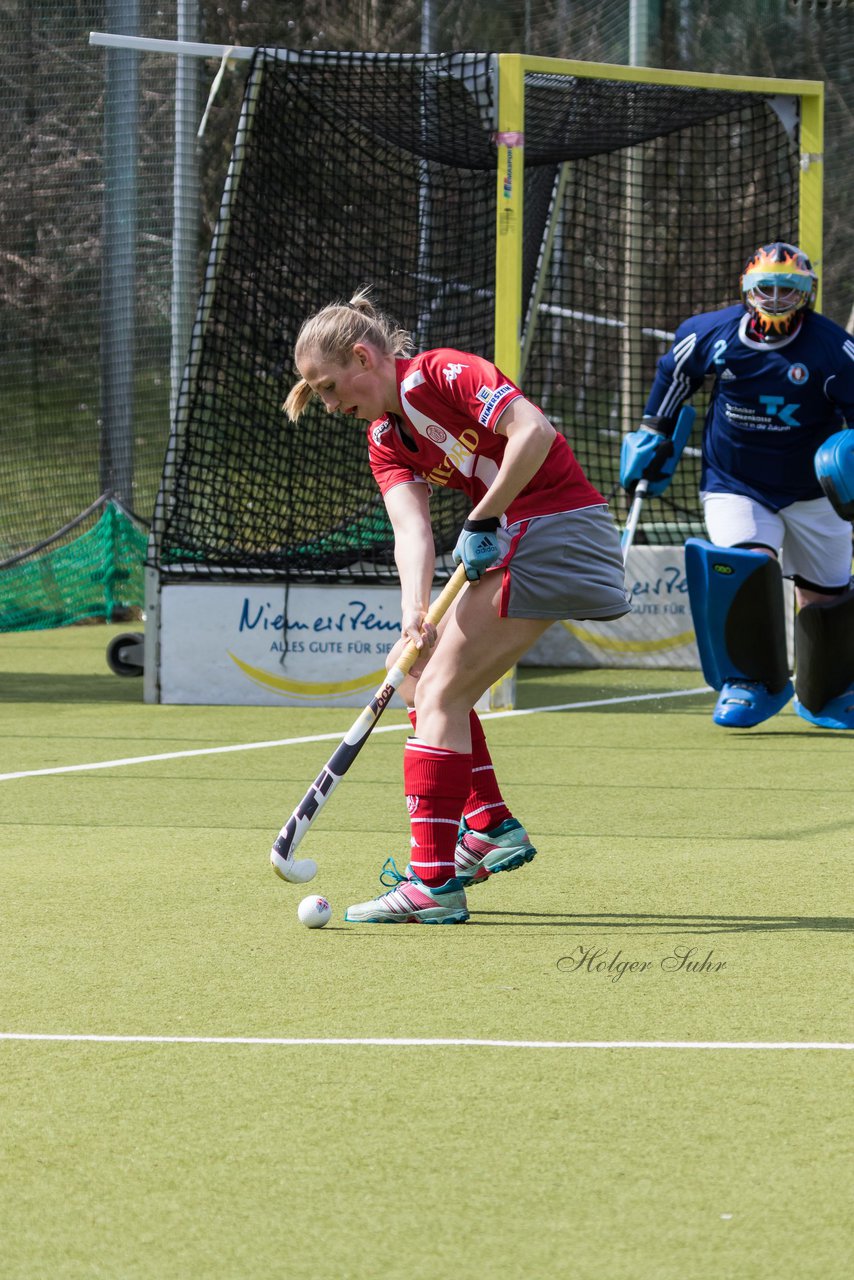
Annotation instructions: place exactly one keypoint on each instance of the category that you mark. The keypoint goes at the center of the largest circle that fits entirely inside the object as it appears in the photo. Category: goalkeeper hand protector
(653, 451)
(645, 455)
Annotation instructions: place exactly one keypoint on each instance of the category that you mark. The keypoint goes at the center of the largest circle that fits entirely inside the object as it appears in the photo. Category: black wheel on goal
(125, 653)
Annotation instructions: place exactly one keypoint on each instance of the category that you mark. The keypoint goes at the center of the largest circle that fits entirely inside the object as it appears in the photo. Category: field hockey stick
(298, 871)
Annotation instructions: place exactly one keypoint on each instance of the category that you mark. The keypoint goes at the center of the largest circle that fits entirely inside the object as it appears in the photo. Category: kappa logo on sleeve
(493, 401)
(452, 371)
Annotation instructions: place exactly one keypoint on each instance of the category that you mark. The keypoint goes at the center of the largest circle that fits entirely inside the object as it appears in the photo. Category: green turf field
(641, 1119)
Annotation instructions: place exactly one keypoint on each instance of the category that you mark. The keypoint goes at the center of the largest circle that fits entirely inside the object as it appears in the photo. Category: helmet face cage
(776, 285)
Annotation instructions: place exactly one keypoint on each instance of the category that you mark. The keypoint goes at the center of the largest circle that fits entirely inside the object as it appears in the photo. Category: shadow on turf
(667, 924)
(804, 733)
(32, 686)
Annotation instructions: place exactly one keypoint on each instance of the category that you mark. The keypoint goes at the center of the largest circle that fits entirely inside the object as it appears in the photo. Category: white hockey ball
(314, 912)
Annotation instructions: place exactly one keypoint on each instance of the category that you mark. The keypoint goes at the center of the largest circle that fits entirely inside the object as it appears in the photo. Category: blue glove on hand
(477, 547)
(647, 455)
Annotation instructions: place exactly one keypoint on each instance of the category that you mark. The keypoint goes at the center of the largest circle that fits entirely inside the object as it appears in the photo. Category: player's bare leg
(477, 647)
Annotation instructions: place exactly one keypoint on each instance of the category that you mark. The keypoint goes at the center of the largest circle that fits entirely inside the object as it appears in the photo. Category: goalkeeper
(777, 486)
(539, 544)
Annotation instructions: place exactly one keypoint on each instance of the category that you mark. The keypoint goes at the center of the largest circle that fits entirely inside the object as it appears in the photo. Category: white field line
(336, 737)
(404, 1042)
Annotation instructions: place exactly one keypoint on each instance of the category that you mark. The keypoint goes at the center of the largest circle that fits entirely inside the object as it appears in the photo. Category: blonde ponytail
(298, 398)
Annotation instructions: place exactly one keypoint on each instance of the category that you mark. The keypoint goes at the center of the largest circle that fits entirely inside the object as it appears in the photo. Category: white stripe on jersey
(681, 384)
(455, 451)
(848, 348)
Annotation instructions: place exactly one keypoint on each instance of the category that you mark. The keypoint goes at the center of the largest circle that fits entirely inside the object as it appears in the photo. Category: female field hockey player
(539, 544)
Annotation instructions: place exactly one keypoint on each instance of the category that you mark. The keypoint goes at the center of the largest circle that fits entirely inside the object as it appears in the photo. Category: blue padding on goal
(738, 611)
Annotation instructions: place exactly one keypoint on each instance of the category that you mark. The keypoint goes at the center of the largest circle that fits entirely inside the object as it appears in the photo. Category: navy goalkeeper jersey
(771, 406)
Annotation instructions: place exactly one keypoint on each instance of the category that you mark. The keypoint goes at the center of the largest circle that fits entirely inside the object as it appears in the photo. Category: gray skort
(568, 565)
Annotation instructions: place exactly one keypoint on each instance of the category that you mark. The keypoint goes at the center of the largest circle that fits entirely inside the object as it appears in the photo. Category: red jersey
(451, 402)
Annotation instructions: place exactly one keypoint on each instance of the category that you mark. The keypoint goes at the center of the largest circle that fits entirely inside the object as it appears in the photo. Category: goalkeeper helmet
(777, 284)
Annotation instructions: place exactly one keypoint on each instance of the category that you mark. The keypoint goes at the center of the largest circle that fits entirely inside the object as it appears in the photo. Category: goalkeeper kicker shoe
(744, 703)
(838, 713)
(413, 902)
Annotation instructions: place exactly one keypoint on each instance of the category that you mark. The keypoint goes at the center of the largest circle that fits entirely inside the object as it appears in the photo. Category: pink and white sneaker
(413, 902)
(481, 854)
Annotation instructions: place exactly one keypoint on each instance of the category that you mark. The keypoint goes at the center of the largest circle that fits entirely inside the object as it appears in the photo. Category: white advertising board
(232, 645)
(238, 645)
(247, 645)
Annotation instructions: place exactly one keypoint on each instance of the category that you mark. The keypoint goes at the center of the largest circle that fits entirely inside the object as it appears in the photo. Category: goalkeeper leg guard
(739, 618)
(824, 645)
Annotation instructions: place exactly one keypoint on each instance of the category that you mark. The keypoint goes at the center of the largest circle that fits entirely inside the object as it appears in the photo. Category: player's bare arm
(529, 436)
(408, 508)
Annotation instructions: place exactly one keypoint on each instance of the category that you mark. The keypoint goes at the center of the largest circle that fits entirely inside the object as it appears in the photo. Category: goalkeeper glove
(648, 454)
(477, 547)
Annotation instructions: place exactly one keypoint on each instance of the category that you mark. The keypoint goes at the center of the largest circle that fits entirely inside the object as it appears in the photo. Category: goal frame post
(510, 138)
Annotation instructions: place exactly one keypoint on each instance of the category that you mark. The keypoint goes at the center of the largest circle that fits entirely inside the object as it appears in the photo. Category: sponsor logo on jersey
(798, 373)
(379, 430)
(458, 456)
(778, 407)
(499, 394)
(452, 371)
(727, 376)
(436, 433)
(483, 393)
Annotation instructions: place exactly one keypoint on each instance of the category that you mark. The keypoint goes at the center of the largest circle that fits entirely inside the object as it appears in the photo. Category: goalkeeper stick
(282, 854)
(632, 519)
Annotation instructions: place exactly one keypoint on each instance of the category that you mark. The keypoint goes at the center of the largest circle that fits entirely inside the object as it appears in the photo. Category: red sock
(484, 807)
(437, 782)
